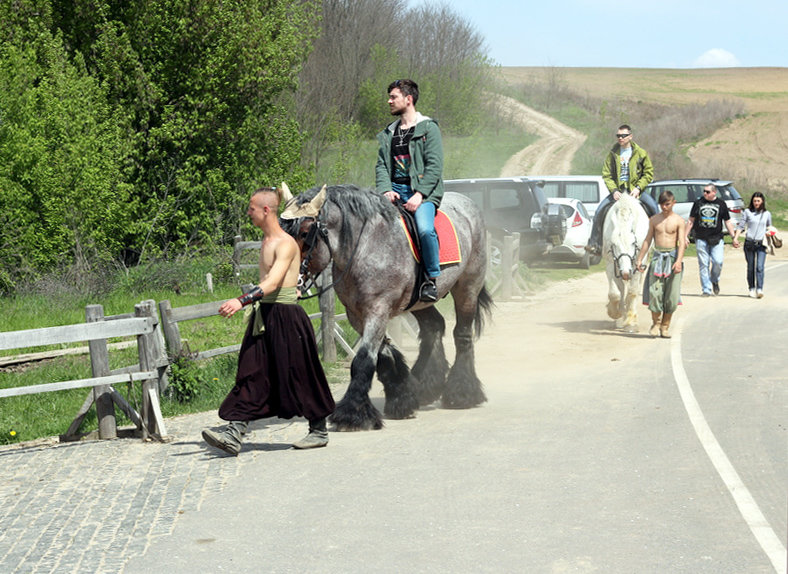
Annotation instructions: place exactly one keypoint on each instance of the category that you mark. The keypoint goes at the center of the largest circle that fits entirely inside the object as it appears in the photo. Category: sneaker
(428, 292)
(760, 293)
(716, 288)
(752, 293)
(222, 441)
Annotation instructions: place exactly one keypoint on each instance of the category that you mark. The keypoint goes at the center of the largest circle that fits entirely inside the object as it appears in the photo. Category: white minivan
(589, 189)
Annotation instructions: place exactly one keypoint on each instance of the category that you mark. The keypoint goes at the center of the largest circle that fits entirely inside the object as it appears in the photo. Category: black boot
(428, 292)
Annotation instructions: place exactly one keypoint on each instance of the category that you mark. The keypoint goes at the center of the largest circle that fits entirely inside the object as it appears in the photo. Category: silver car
(686, 191)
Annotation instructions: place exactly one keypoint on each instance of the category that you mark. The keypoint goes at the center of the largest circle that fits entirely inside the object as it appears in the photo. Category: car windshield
(689, 192)
(583, 190)
(586, 191)
(567, 211)
(728, 192)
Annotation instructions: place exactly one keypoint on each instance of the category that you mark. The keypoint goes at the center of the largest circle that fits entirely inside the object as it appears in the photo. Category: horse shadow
(600, 327)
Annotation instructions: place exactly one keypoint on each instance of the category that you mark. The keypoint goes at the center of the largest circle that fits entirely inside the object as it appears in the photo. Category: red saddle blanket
(449, 246)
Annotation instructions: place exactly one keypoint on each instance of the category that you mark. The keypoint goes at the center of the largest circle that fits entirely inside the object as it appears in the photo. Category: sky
(630, 33)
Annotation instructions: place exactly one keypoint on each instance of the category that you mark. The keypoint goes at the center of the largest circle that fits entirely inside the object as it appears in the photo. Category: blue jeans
(425, 224)
(755, 261)
(708, 251)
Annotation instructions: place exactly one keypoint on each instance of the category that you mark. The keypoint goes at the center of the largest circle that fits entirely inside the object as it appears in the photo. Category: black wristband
(254, 295)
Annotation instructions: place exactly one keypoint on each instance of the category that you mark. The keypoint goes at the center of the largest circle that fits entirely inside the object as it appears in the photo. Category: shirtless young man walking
(663, 280)
(279, 371)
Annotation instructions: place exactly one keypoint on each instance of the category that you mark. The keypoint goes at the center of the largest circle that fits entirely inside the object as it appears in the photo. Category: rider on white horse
(627, 169)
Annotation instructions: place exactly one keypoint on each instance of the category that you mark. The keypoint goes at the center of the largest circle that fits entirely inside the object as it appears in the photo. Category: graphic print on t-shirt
(625, 156)
(401, 168)
(709, 214)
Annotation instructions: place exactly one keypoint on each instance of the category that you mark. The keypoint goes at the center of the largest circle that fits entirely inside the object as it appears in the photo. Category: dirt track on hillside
(551, 154)
(754, 147)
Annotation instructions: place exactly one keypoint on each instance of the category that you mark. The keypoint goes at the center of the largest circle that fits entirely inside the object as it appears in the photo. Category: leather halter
(620, 256)
(318, 230)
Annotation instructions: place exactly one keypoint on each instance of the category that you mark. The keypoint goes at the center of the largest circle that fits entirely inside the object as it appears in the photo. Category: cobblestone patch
(90, 506)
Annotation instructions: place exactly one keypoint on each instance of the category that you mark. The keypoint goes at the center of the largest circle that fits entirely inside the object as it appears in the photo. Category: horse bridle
(318, 230)
(619, 257)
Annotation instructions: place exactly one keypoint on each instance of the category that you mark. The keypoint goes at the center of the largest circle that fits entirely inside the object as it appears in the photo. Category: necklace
(402, 135)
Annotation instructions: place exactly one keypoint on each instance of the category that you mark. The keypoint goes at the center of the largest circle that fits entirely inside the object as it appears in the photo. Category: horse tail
(484, 307)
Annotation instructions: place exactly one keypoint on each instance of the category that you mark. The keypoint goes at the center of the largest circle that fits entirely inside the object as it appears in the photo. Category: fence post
(152, 421)
(328, 319)
(507, 265)
(159, 347)
(236, 256)
(99, 362)
(172, 334)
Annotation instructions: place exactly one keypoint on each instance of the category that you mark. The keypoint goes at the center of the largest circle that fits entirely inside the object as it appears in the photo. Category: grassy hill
(753, 147)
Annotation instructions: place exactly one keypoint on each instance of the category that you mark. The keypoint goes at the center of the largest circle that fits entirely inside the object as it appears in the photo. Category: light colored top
(755, 224)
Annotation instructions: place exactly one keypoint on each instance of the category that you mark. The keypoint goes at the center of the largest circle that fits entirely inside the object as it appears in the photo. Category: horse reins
(319, 230)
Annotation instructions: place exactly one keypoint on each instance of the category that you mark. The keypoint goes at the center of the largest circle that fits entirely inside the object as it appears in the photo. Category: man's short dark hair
(407, 88)
(625, 127)
(666, 196)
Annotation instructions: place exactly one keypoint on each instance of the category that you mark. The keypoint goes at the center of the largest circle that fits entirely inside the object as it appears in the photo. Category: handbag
(772, 237)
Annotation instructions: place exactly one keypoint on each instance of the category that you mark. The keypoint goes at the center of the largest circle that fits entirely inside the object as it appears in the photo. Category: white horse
(625, 228)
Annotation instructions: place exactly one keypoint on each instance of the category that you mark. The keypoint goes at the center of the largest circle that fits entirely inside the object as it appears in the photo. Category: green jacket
(641, 172)
(426, 159)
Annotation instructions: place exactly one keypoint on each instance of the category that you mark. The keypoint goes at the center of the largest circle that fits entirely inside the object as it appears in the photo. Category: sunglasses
(709, 191)
(619, 136)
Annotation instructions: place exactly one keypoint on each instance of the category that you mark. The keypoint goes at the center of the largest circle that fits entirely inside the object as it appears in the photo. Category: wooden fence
(159, 343)
(329, 334)
(504, 280)
(96, 330)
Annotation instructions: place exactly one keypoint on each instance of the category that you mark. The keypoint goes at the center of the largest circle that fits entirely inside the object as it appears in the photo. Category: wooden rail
(96, 331)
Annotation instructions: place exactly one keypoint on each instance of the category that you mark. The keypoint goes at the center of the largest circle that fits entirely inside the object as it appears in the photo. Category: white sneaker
(752, 293)
(760, 293)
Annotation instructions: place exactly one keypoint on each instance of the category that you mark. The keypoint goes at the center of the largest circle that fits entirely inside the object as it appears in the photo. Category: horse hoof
(362, 417)
(631, 329)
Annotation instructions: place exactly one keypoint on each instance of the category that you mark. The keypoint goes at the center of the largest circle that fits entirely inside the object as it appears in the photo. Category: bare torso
(281, 249)
(667, 230)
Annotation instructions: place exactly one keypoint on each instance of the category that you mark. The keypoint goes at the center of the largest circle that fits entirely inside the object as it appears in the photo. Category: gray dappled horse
(374, 273)
(625, 228)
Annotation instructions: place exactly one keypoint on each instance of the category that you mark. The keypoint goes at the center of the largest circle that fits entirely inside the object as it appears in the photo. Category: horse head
(623, 235)
(302, 220)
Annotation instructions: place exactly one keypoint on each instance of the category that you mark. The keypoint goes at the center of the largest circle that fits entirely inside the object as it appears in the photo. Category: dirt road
(552, 153)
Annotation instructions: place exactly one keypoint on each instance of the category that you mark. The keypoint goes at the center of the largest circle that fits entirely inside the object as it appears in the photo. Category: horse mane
(364, 204)
(625, 218)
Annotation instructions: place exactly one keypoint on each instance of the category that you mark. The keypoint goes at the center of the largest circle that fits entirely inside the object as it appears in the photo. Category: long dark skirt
(279, 371)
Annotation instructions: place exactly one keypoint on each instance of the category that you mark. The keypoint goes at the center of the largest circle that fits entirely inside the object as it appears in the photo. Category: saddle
(448, 245)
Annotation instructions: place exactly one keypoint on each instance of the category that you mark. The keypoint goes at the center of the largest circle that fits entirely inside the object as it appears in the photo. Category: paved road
(592, 467)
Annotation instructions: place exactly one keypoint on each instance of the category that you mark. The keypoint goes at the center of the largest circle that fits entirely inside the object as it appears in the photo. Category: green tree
(61, 160)
(200, 87)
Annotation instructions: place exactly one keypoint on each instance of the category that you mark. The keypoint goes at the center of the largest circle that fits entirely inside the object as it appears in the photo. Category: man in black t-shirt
(707, 216)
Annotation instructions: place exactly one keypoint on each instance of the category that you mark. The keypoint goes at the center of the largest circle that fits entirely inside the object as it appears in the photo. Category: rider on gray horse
(627, 169)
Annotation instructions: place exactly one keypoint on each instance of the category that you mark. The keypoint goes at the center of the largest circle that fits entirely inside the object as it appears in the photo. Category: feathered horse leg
(398, 382)
(431, 365)
(463, 387)
(355, 411)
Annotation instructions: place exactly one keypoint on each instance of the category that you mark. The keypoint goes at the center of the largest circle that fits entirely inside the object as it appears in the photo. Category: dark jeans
(648, 203)
(756, 258)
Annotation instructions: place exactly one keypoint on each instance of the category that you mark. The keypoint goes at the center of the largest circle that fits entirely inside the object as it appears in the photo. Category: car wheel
(585, 261)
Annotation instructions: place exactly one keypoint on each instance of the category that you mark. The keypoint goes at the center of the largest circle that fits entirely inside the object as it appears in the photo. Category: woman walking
(754, 223)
